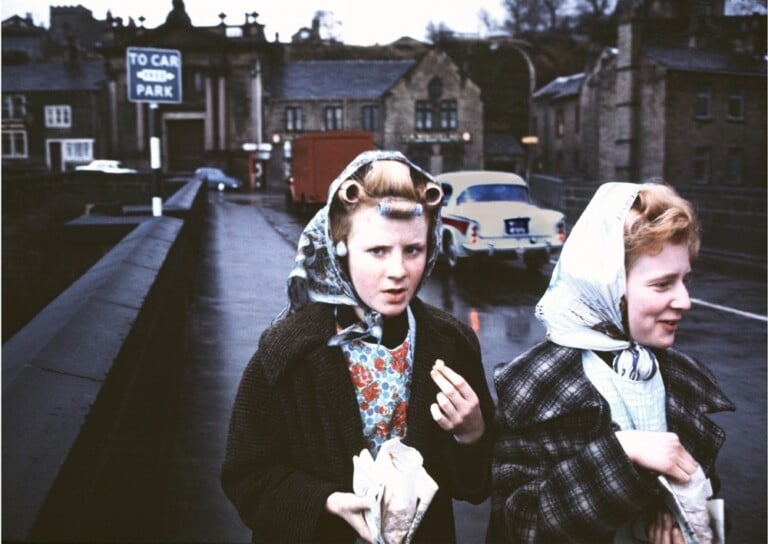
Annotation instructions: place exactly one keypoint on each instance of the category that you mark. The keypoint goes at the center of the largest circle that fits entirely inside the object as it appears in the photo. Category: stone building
(52, 115)
(558, 126)
(240, 91)
(425, 108)
(682, 97)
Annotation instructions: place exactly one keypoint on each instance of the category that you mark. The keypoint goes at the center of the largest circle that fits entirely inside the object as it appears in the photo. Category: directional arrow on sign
(154, 76)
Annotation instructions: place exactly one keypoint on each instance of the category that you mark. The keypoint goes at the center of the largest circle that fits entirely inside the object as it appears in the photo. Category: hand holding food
(457, 408)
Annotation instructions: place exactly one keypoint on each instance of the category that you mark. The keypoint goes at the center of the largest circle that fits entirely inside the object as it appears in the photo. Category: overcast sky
(363, 22)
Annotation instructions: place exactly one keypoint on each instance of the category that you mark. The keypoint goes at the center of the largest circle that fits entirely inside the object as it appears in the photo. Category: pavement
(243, 266)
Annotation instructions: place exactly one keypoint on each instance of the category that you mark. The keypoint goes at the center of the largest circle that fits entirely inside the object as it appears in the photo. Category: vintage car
(216, 178)
(107, 166)
(487, 213)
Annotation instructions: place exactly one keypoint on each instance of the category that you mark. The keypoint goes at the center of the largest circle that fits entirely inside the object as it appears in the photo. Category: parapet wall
(733, 222)
(90, 385)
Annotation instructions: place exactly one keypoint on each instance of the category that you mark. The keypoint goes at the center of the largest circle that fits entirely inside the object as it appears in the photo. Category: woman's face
(386, 259)
(657, 295)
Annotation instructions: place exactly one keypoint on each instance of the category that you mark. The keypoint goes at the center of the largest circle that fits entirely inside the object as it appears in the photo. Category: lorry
(317, 158)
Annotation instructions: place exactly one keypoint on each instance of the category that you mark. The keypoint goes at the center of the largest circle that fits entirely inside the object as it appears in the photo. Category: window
(293, 121)
(702, 104)
(736, 106)
(77, 150)
(701, 165)
(14, 106)
(58, 116)
(370, 118)
(423, 115)
(449, 117)
(333, 118)
(441, 115)
(735, 165)
(559, 122)
(15, 144)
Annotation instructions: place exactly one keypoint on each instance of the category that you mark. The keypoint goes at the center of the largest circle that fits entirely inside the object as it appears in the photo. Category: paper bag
(398, 486)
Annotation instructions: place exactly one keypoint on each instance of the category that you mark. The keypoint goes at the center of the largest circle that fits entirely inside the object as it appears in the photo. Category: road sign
(153, 75)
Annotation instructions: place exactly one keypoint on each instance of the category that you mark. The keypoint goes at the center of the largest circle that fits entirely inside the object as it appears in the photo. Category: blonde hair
(659, 216)
(383, 181)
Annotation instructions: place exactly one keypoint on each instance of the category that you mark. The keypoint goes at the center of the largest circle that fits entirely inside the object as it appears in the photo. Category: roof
(696, 60)
(338, 79)
(562, 87)
(53, 76)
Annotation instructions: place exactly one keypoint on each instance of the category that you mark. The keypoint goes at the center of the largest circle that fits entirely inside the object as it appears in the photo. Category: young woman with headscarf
(351, 364)
(588, 419)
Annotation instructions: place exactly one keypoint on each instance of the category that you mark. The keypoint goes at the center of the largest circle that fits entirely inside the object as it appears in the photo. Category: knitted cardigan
(296, 425)
(559, 472)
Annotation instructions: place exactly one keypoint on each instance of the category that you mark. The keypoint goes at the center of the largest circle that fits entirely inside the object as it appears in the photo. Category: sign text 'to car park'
(153, 75)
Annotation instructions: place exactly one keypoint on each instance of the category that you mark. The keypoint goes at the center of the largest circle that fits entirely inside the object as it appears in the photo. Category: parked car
(216, 178)
(491, 213)
(107, 166)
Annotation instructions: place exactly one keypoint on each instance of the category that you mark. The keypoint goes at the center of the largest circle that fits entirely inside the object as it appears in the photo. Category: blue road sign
(153, 75)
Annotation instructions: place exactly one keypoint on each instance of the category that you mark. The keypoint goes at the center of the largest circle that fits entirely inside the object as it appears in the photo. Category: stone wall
(733, 223)
(90, 385)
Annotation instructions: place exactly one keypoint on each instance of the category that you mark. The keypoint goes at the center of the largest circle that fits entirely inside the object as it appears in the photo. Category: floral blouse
(382, 379)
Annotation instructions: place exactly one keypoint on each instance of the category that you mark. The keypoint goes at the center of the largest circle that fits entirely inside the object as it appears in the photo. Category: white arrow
(154, 76)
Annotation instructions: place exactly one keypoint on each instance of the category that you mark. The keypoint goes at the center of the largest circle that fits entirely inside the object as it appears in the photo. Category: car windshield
(493, 192)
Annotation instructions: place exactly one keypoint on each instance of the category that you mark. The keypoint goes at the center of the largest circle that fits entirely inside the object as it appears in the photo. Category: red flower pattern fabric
(382, 379)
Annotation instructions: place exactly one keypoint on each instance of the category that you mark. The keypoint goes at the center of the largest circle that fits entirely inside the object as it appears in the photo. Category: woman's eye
(414, 251)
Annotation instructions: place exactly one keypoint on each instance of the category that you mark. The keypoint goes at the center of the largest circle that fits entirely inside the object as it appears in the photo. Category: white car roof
(464, 178)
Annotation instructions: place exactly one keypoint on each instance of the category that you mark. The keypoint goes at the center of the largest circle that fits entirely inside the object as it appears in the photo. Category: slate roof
(696, 60)
(53, 76)
(337, 79)
(561, 87)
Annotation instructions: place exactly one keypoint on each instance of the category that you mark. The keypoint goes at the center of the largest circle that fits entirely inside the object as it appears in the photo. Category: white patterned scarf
(584, 304)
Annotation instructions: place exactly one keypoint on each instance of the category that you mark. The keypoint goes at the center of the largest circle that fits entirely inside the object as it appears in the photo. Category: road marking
(731, 310)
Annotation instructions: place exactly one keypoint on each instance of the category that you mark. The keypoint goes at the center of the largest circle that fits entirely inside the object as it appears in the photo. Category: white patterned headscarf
(584, 304)
(318, 274)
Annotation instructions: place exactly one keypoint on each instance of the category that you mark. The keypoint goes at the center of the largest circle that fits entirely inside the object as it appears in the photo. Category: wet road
(248, 249)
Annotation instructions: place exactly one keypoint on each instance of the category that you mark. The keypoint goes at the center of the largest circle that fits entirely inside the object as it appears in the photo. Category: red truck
(316, 159)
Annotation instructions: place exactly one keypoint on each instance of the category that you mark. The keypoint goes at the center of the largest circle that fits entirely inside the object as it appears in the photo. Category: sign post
(154, 76)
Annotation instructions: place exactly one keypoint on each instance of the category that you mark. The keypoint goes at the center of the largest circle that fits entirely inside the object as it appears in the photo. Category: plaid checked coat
(296, 426)
(559, 473)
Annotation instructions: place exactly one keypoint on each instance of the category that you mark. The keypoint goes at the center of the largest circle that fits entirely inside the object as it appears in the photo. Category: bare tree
(594, 10)
(532, 15)
(553, 8)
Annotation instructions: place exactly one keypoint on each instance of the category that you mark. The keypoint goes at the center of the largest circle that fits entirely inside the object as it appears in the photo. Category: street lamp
(530, 139)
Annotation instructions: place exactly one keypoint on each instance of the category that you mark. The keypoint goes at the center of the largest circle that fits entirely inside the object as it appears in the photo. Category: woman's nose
(396, 265)
(681, 300)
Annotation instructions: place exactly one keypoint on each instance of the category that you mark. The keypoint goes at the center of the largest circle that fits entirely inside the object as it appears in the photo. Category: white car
(105, 165)
(490, 213)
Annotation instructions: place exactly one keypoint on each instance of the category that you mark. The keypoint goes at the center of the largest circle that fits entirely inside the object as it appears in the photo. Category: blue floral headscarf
(318, 274)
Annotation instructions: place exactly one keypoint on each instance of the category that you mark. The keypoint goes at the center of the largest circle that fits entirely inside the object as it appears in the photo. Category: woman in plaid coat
(587, 420)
